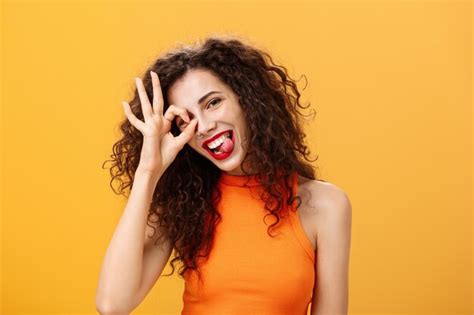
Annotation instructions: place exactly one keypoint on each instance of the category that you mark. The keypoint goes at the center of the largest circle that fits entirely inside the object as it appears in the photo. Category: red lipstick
(204, 144)
(219, 156)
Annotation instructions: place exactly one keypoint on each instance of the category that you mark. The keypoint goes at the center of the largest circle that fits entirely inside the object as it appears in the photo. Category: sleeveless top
(249, 272)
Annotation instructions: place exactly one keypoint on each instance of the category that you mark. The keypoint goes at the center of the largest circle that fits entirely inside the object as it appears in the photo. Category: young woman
(213, 153)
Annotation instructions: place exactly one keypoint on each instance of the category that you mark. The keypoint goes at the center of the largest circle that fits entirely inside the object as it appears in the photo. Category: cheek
(230, 115)
(223, 115)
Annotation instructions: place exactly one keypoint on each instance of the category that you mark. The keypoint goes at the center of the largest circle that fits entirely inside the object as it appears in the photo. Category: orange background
(391, 82)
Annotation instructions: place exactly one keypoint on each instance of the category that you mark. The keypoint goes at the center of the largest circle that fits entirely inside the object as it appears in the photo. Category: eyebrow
(206, 95)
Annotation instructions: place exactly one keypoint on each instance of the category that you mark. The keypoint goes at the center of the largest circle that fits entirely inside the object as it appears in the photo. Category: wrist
(155, 173)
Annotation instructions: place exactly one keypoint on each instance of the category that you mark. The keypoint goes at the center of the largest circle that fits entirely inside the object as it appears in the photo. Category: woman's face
(217, 110)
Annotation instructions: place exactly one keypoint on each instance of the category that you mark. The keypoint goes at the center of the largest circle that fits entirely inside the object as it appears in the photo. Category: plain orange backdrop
(391, 82)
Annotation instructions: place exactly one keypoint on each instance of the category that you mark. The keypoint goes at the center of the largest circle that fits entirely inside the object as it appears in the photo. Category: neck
(240, 172)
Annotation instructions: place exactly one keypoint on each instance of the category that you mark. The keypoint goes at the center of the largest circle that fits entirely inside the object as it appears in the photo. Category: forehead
(186, 91)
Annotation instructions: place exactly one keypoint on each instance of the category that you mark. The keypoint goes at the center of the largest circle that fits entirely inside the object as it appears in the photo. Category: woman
(213, 152)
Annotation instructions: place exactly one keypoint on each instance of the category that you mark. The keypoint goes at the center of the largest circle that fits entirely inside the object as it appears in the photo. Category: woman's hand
(160, 147)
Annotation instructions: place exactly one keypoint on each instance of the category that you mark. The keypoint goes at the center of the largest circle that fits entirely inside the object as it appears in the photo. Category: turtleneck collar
(239, 180)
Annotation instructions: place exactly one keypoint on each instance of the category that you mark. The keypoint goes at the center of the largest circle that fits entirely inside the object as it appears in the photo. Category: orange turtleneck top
(249, 272)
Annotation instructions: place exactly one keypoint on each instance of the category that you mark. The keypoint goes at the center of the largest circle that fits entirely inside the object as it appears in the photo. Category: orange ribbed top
(249, 272)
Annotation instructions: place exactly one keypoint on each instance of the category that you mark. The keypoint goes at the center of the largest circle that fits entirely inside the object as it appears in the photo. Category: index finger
(157, 94)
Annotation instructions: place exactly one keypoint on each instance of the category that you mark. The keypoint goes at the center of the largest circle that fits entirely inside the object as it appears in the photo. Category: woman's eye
(212, 102)
(180, 122)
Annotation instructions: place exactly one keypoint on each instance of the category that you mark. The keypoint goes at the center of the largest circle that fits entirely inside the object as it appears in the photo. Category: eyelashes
(215, 99)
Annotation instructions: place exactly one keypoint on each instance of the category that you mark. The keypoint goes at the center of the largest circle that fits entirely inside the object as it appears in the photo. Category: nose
(205, 128)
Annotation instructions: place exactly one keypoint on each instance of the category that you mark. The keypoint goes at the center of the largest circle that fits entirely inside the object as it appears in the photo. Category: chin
(229, 163)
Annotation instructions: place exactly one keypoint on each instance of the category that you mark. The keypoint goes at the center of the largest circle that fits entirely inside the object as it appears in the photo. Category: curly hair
(185, 197)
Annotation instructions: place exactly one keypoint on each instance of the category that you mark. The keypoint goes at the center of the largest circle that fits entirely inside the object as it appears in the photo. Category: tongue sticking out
(226, 146)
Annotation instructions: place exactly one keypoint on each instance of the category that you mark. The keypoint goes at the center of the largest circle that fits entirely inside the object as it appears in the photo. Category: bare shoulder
(322, 203)
(321, 196)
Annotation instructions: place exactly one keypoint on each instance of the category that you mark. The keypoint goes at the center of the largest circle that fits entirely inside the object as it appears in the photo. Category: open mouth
(222, 146)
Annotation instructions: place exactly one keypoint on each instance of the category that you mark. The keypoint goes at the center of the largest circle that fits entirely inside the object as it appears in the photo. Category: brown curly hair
(185, 198)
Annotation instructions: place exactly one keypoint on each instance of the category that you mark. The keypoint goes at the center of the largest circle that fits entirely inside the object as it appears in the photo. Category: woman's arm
(331, 289)
(131, 265)
(121, 271)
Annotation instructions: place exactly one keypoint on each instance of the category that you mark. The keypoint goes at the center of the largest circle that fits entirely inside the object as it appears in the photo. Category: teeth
(214, 144)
